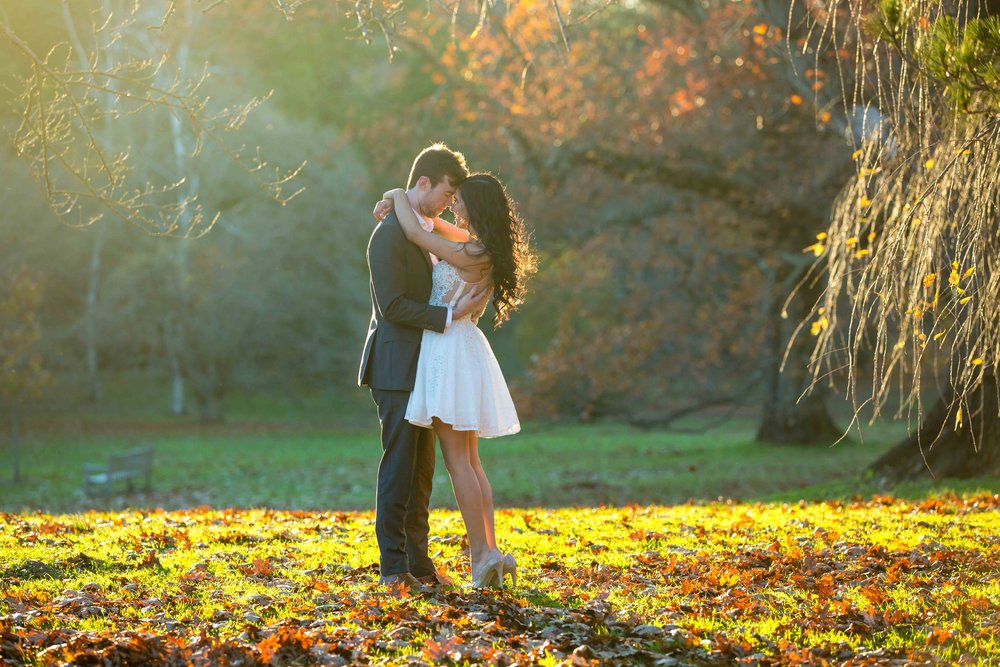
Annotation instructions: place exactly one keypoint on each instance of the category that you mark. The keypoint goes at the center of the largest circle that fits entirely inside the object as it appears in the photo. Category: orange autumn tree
(666, 139)
(673, 174)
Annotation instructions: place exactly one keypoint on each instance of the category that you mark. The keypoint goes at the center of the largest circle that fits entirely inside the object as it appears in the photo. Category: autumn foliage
(656, 157)
(882, 581)
(22, 374)
(665, 154)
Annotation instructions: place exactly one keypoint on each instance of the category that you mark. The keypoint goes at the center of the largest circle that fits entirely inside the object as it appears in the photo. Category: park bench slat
(121, 466)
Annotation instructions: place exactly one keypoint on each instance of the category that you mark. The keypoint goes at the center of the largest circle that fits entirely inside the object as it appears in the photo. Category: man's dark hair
(437, 161)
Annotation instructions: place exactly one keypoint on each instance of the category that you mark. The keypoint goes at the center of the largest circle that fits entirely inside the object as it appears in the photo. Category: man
(400, 288)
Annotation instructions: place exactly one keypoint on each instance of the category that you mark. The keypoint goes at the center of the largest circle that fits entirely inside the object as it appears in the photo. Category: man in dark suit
(400, 288)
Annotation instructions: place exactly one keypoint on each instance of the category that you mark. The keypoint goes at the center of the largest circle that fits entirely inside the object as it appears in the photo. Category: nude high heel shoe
(510, 567)
(490, 573)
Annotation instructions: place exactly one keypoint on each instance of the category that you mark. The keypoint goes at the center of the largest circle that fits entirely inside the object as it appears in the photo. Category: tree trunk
(789, 417)
(211, 410)
(807, 422)
(212, 403)
(90, 321)
(942, 448)
(90, 333)
(15, 444)
(173, 345)
(178, 322)
(177, 386)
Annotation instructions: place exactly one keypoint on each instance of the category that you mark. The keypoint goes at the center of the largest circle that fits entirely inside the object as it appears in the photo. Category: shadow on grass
(865, 487)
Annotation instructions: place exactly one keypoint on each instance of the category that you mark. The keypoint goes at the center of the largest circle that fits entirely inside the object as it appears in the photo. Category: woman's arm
(450, 231)
(455, 253)
(441, 227)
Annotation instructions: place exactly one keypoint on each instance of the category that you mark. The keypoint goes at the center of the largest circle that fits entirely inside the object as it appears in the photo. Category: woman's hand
(404, 213)
(382, 208)
(387, 203)
(452, 251)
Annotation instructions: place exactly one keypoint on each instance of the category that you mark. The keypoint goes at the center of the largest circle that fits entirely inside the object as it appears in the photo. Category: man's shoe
(437, 580)
(403, 579)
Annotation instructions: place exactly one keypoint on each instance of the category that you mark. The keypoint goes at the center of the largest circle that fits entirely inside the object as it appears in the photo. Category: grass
(286, 459)
(714, 583)
(634, 547)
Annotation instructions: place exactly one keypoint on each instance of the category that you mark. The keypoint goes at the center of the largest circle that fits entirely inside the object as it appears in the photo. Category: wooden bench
(124, 466)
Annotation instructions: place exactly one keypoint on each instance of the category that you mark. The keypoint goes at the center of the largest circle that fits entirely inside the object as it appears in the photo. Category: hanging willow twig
(911, 255)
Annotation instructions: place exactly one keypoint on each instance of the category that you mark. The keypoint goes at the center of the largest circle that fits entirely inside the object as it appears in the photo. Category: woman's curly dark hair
(496, 225)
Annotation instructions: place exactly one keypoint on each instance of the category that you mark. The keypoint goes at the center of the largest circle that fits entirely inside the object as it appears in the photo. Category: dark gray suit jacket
(400, 287)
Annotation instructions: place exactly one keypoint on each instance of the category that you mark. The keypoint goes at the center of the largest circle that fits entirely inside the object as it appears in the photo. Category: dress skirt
(460, 382)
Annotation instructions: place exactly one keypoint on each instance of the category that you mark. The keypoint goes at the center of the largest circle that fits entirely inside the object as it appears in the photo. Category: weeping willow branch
(911, 255)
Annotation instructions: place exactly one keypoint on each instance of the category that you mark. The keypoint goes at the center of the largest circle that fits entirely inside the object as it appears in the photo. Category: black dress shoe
(404, 579)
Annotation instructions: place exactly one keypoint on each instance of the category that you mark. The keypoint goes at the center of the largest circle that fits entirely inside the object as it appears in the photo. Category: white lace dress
(458, 378)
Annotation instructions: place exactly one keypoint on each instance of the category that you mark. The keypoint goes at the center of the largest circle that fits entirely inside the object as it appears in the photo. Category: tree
(269, 298)
(22, 375)
(74, 88)
(909, 263)
(273, 298)
(679, 113)
(658, 156)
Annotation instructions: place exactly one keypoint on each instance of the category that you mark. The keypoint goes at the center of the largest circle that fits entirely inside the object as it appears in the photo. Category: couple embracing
(430, 369)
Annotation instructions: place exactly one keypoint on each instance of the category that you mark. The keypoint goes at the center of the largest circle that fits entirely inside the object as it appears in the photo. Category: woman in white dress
(460, 390)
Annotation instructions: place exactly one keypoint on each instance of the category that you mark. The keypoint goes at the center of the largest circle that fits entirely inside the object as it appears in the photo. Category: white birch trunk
(90, 326)
(179, 330)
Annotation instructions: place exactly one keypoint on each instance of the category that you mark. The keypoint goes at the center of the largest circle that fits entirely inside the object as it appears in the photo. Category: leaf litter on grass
(880, 581)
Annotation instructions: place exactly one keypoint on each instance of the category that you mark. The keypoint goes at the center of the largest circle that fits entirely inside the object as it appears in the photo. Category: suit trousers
(405, 480)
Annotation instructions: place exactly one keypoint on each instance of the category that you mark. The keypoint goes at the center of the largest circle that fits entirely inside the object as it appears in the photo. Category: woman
(460, 390)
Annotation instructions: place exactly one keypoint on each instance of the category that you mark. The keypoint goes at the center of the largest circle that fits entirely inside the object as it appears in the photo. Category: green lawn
(636, 547)
(286, 461)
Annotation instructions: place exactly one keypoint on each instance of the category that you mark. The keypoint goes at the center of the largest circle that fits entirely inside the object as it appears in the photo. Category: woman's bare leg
(509, 562)
(456, 448)
(485, 489)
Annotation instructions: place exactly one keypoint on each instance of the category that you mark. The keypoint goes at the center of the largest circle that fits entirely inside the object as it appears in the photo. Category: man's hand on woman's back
(473, 301)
